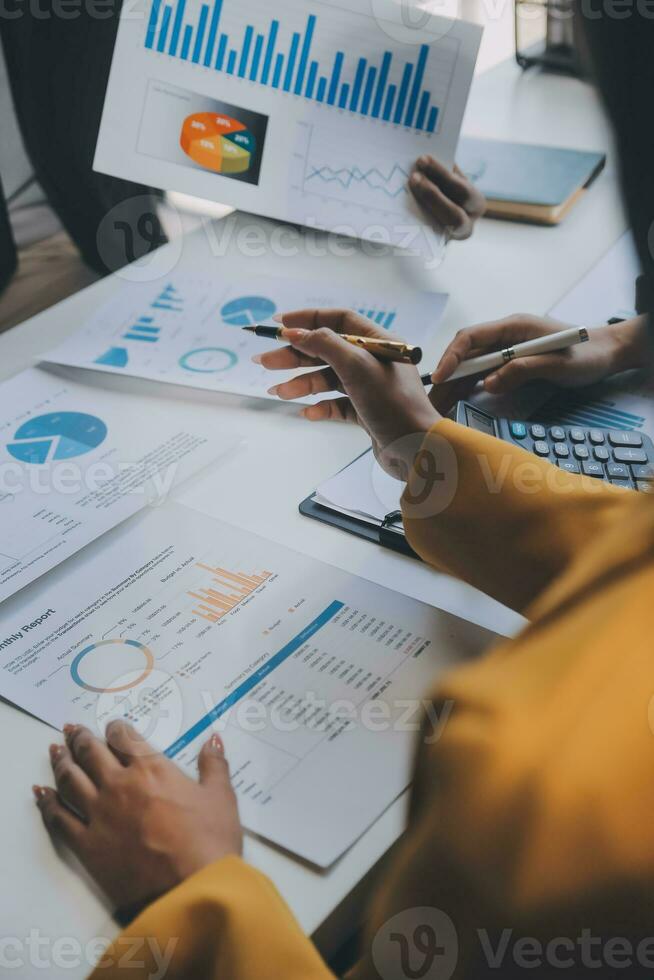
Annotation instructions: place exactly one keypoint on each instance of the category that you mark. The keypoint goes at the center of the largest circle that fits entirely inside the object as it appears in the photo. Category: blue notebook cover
(525, 173)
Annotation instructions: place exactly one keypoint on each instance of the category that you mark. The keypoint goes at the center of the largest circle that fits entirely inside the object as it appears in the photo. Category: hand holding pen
(387, 398)
(613, 348)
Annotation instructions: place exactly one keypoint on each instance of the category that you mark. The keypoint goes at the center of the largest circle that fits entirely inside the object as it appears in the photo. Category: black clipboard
(387, 534)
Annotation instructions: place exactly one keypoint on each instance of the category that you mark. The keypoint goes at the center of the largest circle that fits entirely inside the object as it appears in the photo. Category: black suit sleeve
(58, 69)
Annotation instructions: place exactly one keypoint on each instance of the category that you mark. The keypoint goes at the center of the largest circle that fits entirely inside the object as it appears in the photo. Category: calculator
(620, 456)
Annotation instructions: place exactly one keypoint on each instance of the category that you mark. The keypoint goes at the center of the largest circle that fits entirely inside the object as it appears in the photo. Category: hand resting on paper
(136, 822)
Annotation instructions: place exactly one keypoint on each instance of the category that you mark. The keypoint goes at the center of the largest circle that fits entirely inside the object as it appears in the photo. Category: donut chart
(208, 360)
(218, 143)
(109, 668)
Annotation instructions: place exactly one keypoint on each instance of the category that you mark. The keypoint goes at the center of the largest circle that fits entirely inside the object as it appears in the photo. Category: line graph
(392, 183)
(357, 174)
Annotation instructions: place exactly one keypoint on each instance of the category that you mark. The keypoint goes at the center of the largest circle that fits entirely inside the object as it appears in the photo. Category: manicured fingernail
(423, 161)
(39, 793)
(273, 390)
(256, 359)
(68, 729)
(295, 335)
(278, 318)
(416, 178)
(216, 743)
(55, 751)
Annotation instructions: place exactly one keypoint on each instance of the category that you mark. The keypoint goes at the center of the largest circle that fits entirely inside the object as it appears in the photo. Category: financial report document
(75, 461)
(189, 330)
(317, 680)
(307, 111)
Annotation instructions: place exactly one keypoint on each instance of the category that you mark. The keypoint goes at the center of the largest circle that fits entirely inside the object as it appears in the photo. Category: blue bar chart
(382, 318)
(384, 86)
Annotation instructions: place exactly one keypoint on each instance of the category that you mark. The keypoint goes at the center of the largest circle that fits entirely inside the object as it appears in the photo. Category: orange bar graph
(233, 588)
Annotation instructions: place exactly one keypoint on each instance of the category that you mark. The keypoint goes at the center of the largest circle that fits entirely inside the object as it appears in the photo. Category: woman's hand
(135, 821)
(450, 202)
(611, 349)
(388, 400)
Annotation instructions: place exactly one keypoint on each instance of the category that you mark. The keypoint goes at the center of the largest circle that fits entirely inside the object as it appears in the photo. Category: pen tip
(250, 329)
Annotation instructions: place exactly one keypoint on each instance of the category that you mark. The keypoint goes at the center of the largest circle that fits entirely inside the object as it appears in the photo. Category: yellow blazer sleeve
(497, 516)
(227, 922)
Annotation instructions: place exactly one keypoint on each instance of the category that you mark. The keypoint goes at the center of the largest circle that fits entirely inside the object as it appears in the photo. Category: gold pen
(379, 347)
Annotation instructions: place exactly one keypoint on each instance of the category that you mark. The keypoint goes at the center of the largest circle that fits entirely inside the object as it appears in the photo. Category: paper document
(623, 402)
(188, 331)
(607, 290)
(363, 490)
(307, 111)
(75, 461)
(183, 624)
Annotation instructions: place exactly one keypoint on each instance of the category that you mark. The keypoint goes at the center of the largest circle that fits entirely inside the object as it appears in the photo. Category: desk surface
(505, 268)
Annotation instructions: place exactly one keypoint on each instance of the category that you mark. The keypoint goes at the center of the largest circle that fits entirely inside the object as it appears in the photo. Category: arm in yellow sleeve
(499, 517)
(227, 922)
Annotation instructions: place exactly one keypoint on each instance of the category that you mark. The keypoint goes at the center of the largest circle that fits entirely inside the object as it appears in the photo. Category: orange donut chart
(217, 142)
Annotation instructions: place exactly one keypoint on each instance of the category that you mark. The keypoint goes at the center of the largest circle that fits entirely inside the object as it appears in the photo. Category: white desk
(505, 268)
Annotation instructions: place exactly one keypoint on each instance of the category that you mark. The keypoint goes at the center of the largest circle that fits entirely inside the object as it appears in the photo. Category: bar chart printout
(383, 86)
(337, 103)
(232, 589)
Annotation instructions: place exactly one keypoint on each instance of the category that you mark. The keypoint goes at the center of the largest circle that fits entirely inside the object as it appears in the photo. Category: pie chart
(57, 436)
(248, 310)
(217, 142)
(208, 360)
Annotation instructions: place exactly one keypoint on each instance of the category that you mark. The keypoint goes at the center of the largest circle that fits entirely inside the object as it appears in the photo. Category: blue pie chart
(57, 436)
(248, 310)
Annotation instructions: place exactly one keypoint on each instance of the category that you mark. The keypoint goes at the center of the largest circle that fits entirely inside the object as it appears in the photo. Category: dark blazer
(58, 70)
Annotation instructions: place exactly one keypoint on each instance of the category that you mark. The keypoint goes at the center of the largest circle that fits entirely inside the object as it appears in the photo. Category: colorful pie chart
(217, 143)
(57, 436)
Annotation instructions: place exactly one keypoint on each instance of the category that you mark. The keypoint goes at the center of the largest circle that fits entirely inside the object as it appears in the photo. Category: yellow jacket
(534, 812)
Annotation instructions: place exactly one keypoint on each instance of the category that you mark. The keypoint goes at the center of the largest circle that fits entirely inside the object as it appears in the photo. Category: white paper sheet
(607, 290)
(189, 331)
(189, 80)
(183, 624)
(75, 461)
(363, 489)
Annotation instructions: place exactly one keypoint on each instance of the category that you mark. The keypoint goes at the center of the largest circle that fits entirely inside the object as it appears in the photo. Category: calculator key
(596, 436)
(557, 433)
(617, 471)
(625, 439)
(541, 448)
(629, 456)
(561, 451)
(581, 452)
(601, 453)
(538, 431)
(577, 435)
(625, 484)
(569, 465)
(591, 468)
(642, 472)
(645, 486)
(518, 430)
